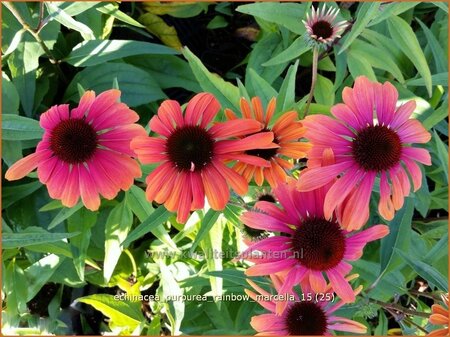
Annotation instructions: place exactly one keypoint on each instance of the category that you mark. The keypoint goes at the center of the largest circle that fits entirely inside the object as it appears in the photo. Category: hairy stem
(315, 61)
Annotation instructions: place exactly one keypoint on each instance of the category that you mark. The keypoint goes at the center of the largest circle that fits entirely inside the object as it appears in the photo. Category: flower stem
(313, 79)
(397, 307)
(35, 34)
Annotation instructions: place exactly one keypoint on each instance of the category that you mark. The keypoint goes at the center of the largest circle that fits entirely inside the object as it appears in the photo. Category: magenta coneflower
(320, 27)
(310, 245)
(85, 151)
(287, 131)
(370, 138)
(307, 314)
(192, 155)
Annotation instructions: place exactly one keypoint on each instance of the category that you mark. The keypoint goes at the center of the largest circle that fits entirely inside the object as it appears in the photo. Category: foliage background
(53, 256)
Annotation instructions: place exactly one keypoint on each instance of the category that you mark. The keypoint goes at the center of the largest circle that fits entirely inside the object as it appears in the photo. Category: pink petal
(340, 190)
(270, 268)
(235, 128)
(386, 96)
(198, 192)
(71, 193)
(261, 140)
(202, 106)
(341, 286)
(158, 127)
(102, 104)
(50, 119)
(263, 221)
(403, 113)
(25, 165)
(170, 114)
(320, 176)
(356, 211)
(85, 104)
(385, 206)
(58, 180)
(155, 180)
(245, 158)
(397, 192)
(88, 189)
(417, 154)
(216, 188)
(414, 172)
(357, 242)
(317, 281)
(344, 113)
(363, 96)
(46, 169)
(184, 206)
(116, 115)
(412, 131)
(236, 181)
(106, 186)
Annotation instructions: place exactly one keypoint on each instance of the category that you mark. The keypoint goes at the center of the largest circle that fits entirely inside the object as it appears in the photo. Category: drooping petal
(216, 188)
(201, 108)
(341, 286)
(320, 176)
(25, 165)
(88, 189)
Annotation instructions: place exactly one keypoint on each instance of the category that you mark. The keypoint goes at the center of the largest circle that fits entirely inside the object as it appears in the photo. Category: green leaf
(258, 86)
(56, 13)
(439, 250)
(366, 11)
(140, 206)
(402, 33)
(206, 224)
(157, 218)
(225, 92)
(436, 79)
(90, 53)
(324, 91)
(15, 42)
(169, 71)
(389, 9)
(441, 5)
(442, 153)
(426, 271)
(121, 313)
(176, 9)
(40, 272)
(76, 8)
(438, 53)
(217, 22)
(32, 236)
(437, 116)
(116, 230)
(171, 289)
(288, 15)
(113, 10)
(137, 86)
(359, 67)
(398, 238)
(423, 198)
(295, 50)
(377, 58)
(286, 95)
(82, 222)
(382, 327)
(16, 127)
(11, 194)
(212, 248)
(64, 214)
(10, 96)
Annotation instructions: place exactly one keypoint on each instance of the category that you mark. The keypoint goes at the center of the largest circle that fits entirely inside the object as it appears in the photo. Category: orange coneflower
(287, 130)
(192, 153)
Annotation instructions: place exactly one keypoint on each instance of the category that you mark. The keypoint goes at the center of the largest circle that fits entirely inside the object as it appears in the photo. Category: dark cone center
(319, 244)
(322, 29)
(306, 318)
(73, 141)
(377, 148)
(190, 148)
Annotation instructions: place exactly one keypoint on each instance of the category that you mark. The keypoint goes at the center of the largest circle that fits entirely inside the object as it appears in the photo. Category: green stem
(35, 34)
(315, 61)
(133, 263)
(397, 307)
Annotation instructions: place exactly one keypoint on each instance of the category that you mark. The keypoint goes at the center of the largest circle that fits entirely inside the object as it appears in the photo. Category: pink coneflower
(193, 153)
(366, 147)
(85, 151)
(310, 245)
(320, 27)
(287, 131)
(307, 314)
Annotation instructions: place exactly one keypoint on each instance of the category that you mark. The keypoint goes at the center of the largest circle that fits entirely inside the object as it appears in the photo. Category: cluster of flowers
(89, 151)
